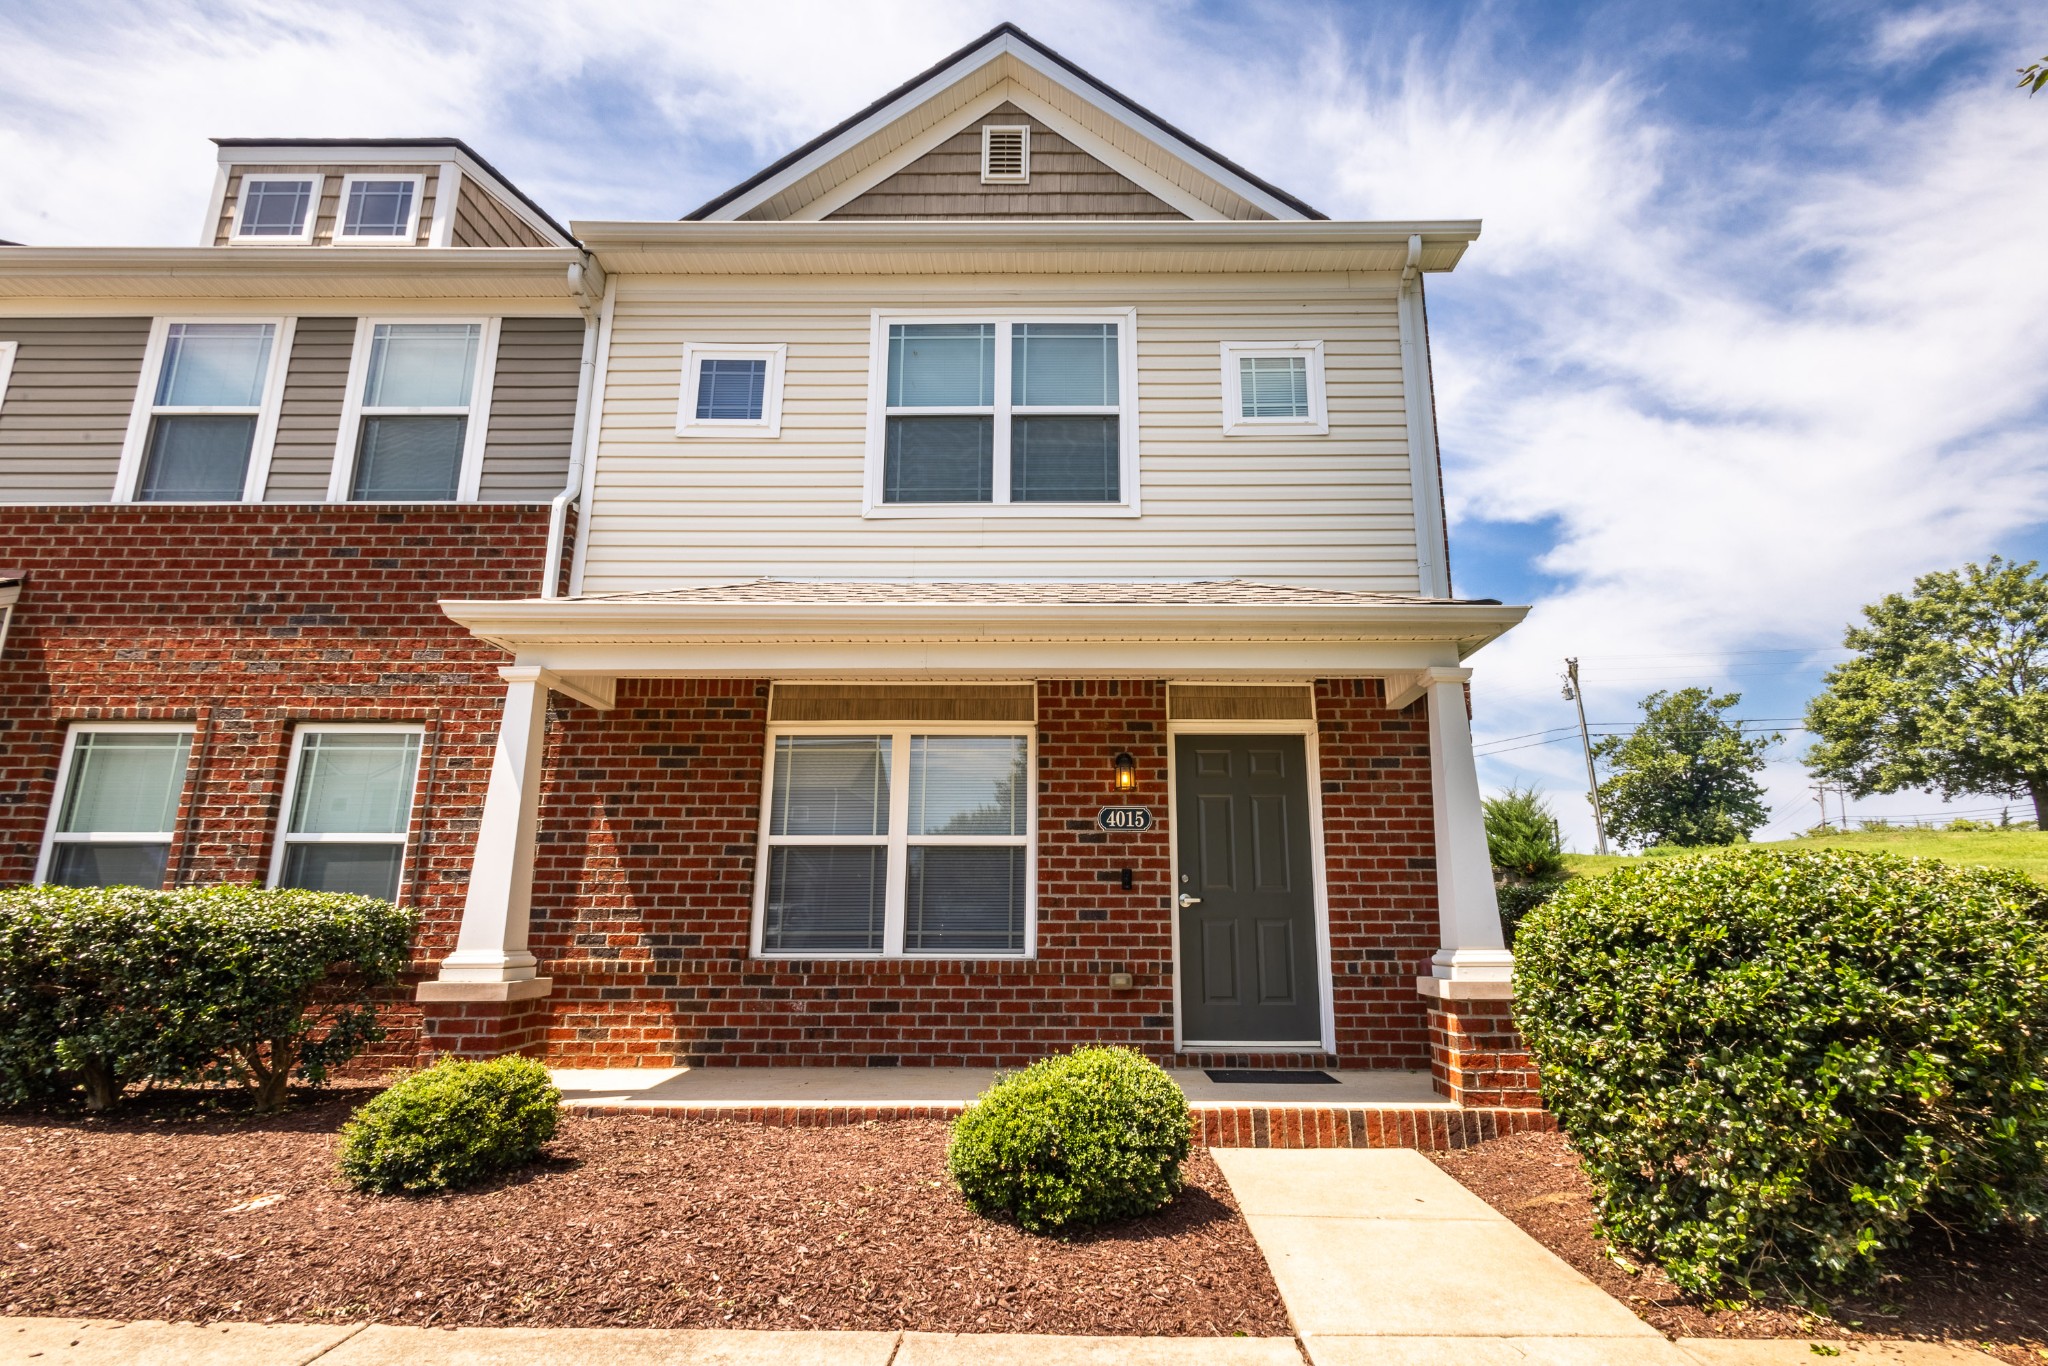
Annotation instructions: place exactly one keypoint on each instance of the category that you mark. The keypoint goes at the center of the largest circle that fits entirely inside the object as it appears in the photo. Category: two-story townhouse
(235, 478)
(1009, 608)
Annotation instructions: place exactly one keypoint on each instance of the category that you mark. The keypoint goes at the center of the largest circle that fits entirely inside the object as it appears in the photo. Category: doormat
(1271, 1077)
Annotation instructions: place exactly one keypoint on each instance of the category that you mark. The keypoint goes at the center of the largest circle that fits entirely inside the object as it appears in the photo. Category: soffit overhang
(1021, 247)
(310, 272)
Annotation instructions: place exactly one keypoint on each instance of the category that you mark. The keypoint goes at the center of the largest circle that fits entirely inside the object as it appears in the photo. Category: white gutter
(1432, 574)
(587, 282)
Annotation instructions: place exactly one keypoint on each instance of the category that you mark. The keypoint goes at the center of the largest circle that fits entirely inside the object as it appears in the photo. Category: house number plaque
(1123, 818)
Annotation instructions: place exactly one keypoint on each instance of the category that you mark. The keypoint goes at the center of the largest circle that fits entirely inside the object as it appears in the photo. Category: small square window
(1274, 389)
(379, 209)
(731, 391)
(277, 209)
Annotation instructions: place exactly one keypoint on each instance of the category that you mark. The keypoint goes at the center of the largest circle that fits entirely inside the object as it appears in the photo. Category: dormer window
(276, 209)
(1005, 153)
(379, 209)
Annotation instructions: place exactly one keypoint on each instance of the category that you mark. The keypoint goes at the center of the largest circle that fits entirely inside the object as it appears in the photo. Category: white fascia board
(1003, 44)
(295, 155)
(276, 272)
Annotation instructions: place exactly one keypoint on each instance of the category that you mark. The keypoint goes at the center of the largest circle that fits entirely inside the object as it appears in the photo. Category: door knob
(1187, 901)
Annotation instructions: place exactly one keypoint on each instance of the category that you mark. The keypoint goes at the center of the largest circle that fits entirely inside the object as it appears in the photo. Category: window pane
(409, 459)
(1064, 460)
(202, 459)
(731, 390)
(421, 365)
(942, 365)
(965, 900)
(109, 865)
(1274, 386)
(1063, 365)
(364, 869)
(275, 208)
(967, 784)
(831, 785)
(124, 782)
(377, 208)
(354, 784)
(214, 365)
(825, 898)
(939, 460)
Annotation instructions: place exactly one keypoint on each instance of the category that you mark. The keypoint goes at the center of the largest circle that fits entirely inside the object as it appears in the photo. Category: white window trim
(411, 235)
(1235, 423)
(136, 444)
(1023, 132)
(304, 236)
(765, 427)
(284, 837)
(51, 835)
(879, 414)
(341, 481)
(7, 351)
(899, 840)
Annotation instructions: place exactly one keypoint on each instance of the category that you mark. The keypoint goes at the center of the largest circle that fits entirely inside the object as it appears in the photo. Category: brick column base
(483, 1029)
(1476, 1055)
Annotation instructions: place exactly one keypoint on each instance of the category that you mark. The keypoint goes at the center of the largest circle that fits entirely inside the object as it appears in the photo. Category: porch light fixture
(1126, 771)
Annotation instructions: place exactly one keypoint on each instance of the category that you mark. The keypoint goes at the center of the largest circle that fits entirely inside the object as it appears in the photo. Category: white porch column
(490, 949)
(1473, 960)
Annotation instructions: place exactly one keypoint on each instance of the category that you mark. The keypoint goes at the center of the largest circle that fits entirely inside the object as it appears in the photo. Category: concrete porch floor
(740, 1088)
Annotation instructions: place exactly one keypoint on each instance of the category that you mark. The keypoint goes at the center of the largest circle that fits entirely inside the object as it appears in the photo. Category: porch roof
(796, 628)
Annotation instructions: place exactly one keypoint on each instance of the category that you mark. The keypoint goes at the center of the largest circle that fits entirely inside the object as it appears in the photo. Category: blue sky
(1753, 336)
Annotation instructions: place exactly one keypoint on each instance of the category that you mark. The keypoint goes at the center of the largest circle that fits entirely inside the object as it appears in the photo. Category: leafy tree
(1521, 835)
(2034, 76)
(1686, 775)
(1949, 690)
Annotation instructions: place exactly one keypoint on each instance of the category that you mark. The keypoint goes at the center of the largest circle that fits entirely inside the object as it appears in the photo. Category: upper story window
(213, 399)
(1274, 389)
(731, 391)
(1004, 416)
(412, 431)
(278, 209)
(118, 788)
(1005, 153)
(379, 209)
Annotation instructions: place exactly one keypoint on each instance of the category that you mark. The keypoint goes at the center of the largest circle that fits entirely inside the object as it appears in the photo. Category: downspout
(587, 283)
(1432, 548)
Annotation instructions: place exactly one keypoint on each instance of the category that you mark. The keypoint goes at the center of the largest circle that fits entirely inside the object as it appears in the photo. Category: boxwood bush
(1072, 1141)
(452, 1125)
(1784, 1063)
(102, 987)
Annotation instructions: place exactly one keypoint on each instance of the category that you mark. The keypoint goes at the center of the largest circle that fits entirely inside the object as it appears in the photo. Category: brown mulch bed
(628, 1221)
(1991, 1290)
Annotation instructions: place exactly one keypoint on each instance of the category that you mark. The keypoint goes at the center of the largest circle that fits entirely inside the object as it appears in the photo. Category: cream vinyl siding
(1320, 511)
(66, 410)
(309, 419)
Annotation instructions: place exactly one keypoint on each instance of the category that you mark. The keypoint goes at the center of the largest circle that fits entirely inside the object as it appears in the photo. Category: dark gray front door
(1248, 968)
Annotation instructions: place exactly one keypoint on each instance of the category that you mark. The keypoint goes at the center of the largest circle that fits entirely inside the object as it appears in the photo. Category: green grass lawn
(2026, 850)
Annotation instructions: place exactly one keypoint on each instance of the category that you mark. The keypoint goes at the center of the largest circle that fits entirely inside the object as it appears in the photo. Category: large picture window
(413, 429)
(1004, 416)
(349, 808)
(898, 843)
(210, 401)
(118, 789)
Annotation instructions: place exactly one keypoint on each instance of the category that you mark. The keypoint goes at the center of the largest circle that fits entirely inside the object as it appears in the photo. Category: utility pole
(1821, 792)
(1573, 694)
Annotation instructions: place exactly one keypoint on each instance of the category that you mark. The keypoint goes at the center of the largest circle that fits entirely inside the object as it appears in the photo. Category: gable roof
(1004, 39)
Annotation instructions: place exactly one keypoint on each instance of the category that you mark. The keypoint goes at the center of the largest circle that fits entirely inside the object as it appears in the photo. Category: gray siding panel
(533, 409)
(310, 417)
(65, 414)
(481, 221)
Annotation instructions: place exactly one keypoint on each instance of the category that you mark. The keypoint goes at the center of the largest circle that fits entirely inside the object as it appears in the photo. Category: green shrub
(101, 987)
(452, 1125)
(1522, 837)
(1518, 898)
(1783, 1063)
(1073, 1141)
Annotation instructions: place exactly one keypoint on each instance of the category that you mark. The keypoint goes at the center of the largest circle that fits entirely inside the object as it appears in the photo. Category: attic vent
(1005, 152)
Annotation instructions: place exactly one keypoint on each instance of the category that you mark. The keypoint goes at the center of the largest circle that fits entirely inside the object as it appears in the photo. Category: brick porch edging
(1428, 1128)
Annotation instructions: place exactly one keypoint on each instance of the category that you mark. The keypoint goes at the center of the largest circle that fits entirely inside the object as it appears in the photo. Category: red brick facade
(246, 620)
(1477, 1056)
(644, 884)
